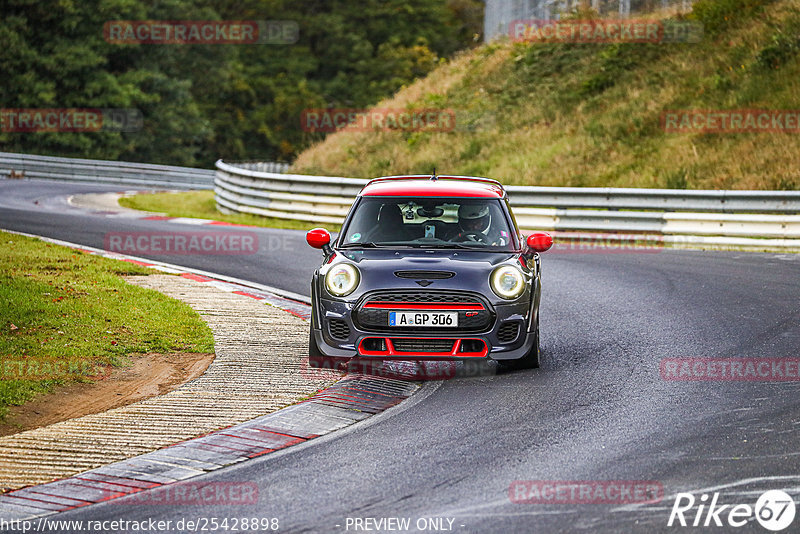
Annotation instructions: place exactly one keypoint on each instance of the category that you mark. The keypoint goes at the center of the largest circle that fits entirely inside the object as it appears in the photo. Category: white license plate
(417, 318)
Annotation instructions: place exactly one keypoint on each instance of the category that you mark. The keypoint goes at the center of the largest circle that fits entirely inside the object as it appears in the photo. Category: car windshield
(473, 223)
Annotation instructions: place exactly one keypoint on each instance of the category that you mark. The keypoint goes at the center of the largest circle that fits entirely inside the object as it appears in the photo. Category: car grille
(424, 297)
(339, 329)
(479, 318)
(508, 332)
(425, 275)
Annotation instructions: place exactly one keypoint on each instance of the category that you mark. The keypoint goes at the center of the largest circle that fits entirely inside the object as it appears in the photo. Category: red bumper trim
(385, 305)
(391, 352)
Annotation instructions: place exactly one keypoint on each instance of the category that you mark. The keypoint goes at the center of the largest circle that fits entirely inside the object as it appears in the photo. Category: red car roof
(443, 186)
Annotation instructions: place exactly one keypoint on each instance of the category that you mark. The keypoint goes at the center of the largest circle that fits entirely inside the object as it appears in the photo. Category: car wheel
(529, 361)
(317, 360)
(313, 348)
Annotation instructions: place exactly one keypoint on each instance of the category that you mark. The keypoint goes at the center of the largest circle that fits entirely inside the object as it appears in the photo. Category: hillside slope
(591, 114)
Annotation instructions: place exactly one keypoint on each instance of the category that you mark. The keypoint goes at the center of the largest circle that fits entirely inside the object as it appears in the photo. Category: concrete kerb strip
(133, 429)
(107, 205)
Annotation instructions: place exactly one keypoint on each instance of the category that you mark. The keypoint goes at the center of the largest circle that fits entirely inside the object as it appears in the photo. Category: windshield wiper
(442, 245)
(366, 244)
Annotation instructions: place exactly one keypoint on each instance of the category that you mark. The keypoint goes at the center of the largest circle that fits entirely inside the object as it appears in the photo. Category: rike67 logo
(774, 510)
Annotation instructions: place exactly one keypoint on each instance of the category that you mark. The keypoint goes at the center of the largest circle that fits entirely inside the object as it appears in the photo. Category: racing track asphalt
(283, 260)
(598, 408)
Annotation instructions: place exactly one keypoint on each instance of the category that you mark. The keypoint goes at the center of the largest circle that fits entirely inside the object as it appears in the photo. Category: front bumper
(509, 336)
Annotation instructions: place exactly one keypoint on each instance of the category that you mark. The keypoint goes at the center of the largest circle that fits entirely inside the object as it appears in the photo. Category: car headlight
(341, 279)
(508, 282)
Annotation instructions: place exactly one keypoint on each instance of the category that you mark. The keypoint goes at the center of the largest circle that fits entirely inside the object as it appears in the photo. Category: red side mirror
(540, 241)
(318, 238)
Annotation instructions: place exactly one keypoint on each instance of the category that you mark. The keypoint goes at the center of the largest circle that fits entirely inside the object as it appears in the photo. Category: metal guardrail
(104, 172)
(265, 166)
(263, 189)
(706, 200)
(323, 199)
(666, 212)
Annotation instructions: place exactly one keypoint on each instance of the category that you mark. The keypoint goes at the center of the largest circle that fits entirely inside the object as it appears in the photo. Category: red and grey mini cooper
(428, 267)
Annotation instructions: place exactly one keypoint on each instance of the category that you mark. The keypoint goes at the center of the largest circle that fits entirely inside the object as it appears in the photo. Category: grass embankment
(67, 316)
(590, 114)
(201, 205)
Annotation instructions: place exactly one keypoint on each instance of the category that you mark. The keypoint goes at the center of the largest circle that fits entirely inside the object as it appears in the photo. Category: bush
(718, 15)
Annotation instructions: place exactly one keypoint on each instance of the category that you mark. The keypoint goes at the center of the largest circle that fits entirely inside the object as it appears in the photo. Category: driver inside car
(475, 223)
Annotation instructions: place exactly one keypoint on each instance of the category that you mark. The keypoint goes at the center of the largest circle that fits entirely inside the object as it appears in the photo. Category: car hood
(471, 268)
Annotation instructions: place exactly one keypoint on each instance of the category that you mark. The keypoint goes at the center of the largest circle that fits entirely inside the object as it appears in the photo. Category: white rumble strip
(248, 378)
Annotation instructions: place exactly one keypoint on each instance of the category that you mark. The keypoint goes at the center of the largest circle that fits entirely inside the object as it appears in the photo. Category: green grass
(201, 205)
(67, 316)
(590, 114)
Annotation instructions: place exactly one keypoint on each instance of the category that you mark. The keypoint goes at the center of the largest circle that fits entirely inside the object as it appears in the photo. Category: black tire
(317, 360)
(529, 361)
(313, 348)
